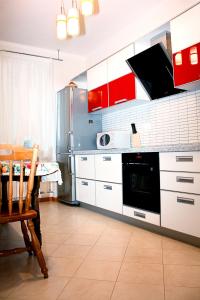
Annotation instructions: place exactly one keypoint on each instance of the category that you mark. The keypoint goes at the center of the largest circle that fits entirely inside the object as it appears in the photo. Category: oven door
(141, 186)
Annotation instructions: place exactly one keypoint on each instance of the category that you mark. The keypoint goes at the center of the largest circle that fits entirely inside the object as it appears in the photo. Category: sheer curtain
(27, 102)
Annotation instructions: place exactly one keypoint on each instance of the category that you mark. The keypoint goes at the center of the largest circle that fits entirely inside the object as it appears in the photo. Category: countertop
(164, 148)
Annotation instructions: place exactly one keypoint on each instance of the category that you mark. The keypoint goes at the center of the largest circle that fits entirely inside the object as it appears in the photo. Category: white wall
(71, 65)
(139, 27)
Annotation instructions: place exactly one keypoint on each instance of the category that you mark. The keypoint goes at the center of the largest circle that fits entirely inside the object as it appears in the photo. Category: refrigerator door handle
(69, 144)
(69, 164)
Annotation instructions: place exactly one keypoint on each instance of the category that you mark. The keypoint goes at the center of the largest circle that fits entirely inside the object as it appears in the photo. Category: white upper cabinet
(117, 66)
(97, 75)
(185, 29)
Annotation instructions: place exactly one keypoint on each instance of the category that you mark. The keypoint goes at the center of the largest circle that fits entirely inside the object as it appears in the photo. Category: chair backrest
(11, 156)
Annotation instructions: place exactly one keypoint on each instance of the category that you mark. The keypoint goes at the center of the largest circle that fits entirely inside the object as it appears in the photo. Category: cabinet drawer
(181, 212)
(142, 215)
(85, 191)
(180, 181)
(180, 161)
(85, 166)
(108, 167)
(109, 196)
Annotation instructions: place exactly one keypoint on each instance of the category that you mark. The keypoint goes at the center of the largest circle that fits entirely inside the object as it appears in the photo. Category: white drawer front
(109, 196)
(180, 161)
(85, 191)
(141, 215)
(181, 212)
(85, 166)
(180, 181)
(108, 167)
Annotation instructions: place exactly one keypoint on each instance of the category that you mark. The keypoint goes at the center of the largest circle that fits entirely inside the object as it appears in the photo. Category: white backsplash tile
(172, 120)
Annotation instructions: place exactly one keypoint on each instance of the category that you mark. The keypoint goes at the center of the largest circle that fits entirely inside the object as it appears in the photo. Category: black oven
(141, 180)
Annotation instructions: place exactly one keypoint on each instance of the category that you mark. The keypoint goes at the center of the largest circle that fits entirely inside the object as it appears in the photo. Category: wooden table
(45, 171)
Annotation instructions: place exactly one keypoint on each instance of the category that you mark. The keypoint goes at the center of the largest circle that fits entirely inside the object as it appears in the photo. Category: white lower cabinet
(85, 191)
(141, 215)
(181, 212)
(109, 196)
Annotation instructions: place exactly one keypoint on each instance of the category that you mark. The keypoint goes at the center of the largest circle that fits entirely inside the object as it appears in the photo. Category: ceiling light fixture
(61, 23)
(70, 24)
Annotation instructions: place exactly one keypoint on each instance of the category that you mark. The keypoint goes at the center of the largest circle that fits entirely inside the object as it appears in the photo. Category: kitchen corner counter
(164, 148)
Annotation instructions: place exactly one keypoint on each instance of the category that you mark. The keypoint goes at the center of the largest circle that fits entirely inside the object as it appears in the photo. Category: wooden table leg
(35, 206)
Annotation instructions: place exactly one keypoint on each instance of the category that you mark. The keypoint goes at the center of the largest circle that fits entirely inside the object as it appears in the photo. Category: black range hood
(153, 68)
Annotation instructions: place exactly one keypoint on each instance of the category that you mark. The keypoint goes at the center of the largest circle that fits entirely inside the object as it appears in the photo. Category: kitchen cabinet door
(84, 165)
(97, 87)
(108, 167)
(187, 67)
(185, 29)
(181, 212)
(121, 80)
(185, 38)
(109, 196)
(85, 191)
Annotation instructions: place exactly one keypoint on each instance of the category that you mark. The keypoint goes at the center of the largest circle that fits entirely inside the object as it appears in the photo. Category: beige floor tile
(8, 283)
(87, 289)
(106, 252)
(184, 256)
(82, 239)
(132, 272)
(127, 291)
(182, 293)
(114, 237)
(59, 266)
(171, 244)
(78, 251)
(45, 289)
(185, 276)
(142, 255)
(99, 270)
(145, 239)
(49, 248)
(52, 237)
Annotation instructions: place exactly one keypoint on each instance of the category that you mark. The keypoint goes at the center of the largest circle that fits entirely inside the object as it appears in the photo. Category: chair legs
(26, 237)
(37, 249)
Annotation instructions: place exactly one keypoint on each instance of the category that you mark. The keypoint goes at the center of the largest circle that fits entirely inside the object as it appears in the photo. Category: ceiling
(33, 22)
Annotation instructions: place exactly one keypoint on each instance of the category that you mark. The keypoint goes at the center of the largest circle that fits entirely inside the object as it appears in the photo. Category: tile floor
(94, 257)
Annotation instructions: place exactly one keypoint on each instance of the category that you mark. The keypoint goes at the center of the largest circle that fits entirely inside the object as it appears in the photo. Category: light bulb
(61, 27)
(178, 59)
(193, 56)
(73, 26)
(87, 7)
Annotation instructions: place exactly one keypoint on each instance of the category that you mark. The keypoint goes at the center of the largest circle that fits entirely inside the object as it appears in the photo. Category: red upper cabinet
(121, 80)
(97, 87)
(187, 66)
(185, 36)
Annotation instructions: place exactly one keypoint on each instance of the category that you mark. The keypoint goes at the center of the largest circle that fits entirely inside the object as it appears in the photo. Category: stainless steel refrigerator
(76, 130)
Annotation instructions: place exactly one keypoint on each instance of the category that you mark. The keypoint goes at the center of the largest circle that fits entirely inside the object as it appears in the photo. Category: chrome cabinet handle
(107, 158)
(83, 158)
(120, 101)
(96, 108)
(140, 215)
(84, 182)
(184, 158)
(107, 187)
(185, 179)
(185, 200)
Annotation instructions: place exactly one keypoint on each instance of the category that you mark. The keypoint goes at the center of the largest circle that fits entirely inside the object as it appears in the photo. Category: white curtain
(27, 102)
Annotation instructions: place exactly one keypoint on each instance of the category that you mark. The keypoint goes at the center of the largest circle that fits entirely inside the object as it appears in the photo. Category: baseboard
(47, 199)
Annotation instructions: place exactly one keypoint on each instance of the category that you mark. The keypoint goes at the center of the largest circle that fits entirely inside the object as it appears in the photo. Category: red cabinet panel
(187, 65)
(98, 98)
(122, 89)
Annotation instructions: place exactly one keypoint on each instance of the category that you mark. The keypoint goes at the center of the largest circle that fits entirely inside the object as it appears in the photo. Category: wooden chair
(10, 212)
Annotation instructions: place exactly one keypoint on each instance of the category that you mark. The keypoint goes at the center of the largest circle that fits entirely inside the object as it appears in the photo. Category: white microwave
(113, 139)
